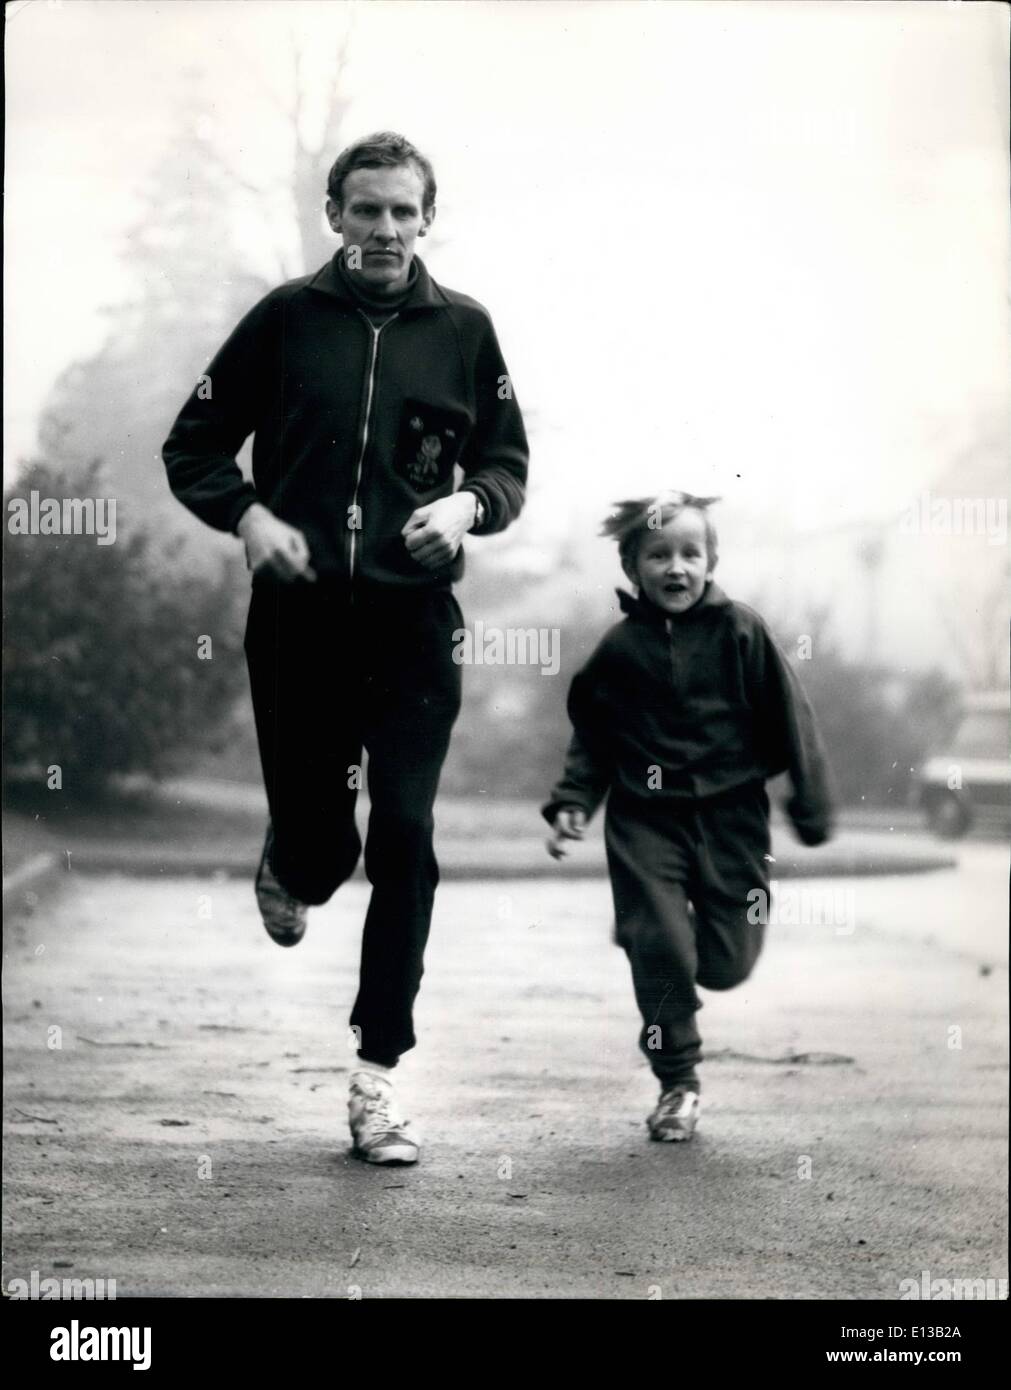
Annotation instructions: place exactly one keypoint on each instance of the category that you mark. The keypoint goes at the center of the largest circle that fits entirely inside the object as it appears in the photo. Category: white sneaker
(676, 1115)
(378, 1128)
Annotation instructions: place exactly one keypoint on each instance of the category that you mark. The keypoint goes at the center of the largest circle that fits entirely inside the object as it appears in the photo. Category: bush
(104, 672)
(877, 723)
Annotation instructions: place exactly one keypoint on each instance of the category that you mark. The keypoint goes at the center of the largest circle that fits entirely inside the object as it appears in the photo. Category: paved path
(187, 1135)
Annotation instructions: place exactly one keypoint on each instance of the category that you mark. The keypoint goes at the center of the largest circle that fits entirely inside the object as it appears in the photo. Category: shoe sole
(671, 1138)
(402, 1156)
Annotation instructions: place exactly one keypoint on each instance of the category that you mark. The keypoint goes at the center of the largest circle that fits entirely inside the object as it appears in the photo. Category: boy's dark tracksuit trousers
(680, 875)
(332, 675)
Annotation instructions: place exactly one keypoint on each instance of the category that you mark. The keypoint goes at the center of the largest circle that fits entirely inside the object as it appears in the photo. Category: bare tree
(975, 619)
(315, 114)
(311, 159)
(295, 196)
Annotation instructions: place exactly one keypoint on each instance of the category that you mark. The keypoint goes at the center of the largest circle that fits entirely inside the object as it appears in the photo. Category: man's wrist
(479, 511)
(249, 518)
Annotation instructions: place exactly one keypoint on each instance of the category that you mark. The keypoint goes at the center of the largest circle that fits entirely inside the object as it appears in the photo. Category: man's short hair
(384, 149)
(631, 521)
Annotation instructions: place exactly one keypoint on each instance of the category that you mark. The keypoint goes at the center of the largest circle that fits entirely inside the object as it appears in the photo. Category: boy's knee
(725, 975)
(726, 969)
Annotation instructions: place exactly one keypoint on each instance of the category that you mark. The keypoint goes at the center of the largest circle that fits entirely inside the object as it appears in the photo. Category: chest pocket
(429, 443)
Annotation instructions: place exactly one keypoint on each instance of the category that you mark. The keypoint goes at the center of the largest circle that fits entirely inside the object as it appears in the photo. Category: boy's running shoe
(379, 1130)
(675, 1116)
(283, 916)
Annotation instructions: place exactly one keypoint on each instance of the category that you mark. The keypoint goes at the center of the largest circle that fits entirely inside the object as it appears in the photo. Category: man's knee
(313, 868)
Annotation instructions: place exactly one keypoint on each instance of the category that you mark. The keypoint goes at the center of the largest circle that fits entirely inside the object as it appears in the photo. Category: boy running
(684, 710)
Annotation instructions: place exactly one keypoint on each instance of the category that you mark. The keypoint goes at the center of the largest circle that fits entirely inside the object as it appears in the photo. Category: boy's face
(672, 566)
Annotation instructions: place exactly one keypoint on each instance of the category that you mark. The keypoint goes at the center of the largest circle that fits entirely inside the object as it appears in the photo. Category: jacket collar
(639, 608)
(425, 293)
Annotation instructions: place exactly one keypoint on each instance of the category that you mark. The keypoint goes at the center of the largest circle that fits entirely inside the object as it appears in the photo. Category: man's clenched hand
(273, 546)
(433, 533)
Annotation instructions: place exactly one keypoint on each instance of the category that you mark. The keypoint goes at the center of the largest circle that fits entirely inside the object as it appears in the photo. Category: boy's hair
(384, 149)
(635, 518)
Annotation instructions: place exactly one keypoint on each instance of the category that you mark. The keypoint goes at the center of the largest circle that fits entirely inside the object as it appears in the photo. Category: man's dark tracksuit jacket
(682, 720)
(356, 425)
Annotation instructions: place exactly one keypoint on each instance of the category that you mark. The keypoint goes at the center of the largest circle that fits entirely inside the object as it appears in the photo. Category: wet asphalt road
(176, 1099)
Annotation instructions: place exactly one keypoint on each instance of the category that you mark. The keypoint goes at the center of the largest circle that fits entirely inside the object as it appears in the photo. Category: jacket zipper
(376, 329)
(669, 625)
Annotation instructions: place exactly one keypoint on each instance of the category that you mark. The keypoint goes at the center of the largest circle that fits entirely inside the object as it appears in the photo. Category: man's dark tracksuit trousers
(681, 873)
(331, 675)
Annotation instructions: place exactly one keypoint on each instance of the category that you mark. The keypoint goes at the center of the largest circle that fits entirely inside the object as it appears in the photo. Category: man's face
(381, 215)
(672, 566)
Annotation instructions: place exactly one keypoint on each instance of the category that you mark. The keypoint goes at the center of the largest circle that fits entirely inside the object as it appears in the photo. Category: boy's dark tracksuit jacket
(705, 697)
(355, 425)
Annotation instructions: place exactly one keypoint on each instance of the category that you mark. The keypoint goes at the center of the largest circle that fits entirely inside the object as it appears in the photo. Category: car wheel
(948, 816)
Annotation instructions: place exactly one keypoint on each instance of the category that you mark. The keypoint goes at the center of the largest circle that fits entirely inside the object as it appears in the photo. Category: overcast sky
(758, 250)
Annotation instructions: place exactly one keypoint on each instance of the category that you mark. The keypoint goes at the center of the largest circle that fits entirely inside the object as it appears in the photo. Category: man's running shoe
(379, 1130)
(283, 916)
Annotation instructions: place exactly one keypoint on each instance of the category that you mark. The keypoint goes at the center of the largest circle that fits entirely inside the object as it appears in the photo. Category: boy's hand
(569, 824)
(811, 824)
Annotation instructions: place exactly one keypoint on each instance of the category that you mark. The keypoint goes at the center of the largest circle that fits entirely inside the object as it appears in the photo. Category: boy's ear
(630, 573)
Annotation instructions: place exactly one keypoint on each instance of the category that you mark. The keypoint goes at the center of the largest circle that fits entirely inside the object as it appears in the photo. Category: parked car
(970, 780)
